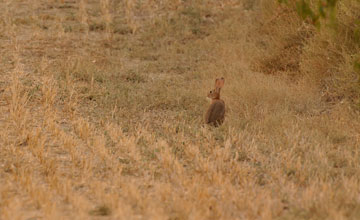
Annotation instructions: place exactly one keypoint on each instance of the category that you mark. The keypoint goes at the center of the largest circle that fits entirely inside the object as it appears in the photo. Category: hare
(216, 113)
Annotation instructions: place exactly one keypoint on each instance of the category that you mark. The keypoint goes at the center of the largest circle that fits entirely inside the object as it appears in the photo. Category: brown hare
(216, 113)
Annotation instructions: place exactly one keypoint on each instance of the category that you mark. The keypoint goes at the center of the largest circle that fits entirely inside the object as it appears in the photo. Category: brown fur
(215, 114)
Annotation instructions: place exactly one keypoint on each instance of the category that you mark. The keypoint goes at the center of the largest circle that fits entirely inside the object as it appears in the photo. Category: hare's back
(216, 113)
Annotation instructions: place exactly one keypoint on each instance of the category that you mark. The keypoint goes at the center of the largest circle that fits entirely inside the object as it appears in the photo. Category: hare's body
(215, 115)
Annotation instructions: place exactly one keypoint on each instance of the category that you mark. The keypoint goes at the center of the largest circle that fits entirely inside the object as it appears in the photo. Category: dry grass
(102, 103)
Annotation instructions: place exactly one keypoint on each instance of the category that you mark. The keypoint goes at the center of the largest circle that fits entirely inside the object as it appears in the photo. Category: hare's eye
(210, 92)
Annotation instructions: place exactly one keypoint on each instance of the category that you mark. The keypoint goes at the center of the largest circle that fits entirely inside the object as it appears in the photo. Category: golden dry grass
(102, 103)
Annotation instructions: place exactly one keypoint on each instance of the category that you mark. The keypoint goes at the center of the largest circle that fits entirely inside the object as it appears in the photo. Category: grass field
(102, 106)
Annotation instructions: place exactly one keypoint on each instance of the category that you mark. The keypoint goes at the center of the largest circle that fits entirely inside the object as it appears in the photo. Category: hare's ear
(219, 83)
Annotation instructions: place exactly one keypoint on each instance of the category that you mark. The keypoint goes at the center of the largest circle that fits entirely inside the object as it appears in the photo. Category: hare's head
(215, 93)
